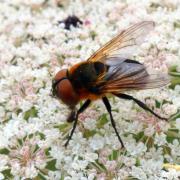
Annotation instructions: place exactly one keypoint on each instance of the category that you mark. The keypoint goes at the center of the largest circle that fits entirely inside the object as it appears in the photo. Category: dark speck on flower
(71, 21)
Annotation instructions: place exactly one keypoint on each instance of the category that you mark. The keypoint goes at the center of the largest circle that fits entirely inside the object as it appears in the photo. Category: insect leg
(81, 109)
(141, 104)
(108, 107)
(72, 115)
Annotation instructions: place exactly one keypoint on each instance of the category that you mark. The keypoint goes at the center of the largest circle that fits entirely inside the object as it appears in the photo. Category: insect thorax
(86, 74)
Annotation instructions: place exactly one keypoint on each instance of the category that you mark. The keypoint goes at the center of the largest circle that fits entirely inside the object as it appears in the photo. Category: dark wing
(128, 75)
(123, 74)
(125, 43)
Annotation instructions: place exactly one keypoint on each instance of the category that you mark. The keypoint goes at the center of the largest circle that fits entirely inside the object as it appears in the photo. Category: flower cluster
(35, 44)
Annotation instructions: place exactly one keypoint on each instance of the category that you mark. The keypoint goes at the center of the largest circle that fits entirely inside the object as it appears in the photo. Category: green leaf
(47, 151)
(99, 166)
(62, 127)
(20, 141)
(30, 113)
(18, 111)
(62, 177)
(42, 136)
(155, 5)
(114, 155)
(150, 142)
(40, 177)
(89, 133)
(51, 165)
(102, 121)
(166, 102)
(138, 163)
(4, 151)
(174, 81)
(166, 150)
(177, 24)
(93, 34)
(172, 134)
(175, 74)
(172, 68)
(131, 178)
(158, 104)
(79, 47)
(173, 71)
(7, 174)
(139, 136)
(36, 148)
(175, 116)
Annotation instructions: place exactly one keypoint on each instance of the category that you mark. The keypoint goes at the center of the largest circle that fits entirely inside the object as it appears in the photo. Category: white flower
(57, 153)
(4, 141)
(112, 139)
(26, 105)
(31, 172)
(138, 173)
(90, 123)
(16, 168)
(79, 164)
(26, 159)
(1, 176)
(123, 173)
(129, 161)
(155, 154)
(169, 109)
(34, 46)
(135, 149)
(2, 112)
(18, 31)
(151, 166)
(96, 142)
(178, 123)
(111, 165)
(135, 127)
(55, 175)
(3, 162)
(77, 141)
(91, 157)
(160, 139)
(171, 174)
(51, 135)
(91, 176)
(149, 131)
(33, 3)
(175, 148)
(75, 175)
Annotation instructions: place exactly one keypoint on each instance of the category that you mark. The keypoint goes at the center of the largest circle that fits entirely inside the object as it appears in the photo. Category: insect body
(107, 71)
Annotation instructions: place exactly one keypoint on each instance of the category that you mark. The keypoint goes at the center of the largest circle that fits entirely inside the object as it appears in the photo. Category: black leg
(81, 109)
(72, 115)
(141, 104)
(108, 107)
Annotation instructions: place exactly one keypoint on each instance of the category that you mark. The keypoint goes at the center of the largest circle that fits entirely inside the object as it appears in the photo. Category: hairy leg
(108, 107)
(141, 104)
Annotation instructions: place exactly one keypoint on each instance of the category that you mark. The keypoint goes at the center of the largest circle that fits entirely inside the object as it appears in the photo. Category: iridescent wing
(125, 43)
(123, 74)
(129, 75)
